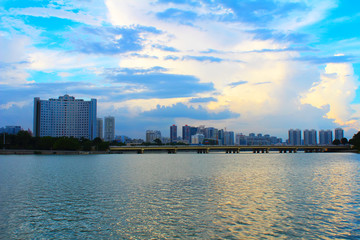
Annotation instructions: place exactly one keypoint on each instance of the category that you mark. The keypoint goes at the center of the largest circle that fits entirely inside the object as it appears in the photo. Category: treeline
(23, 140)
(355, 141)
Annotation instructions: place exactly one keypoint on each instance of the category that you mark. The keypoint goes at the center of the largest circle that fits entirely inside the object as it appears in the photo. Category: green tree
(356, 141)
(336, 142)
(44, 143)
(23, 140)
(66, 143)
(158, 141)
(344, 141)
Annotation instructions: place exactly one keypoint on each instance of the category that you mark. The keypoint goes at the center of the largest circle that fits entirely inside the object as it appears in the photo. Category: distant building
(310, 137)
(109, 129)
(173, 133)
(100, 128)
(186, 133)
(65, 116)
(294, 137)
(10, 129)
(339, 133)
(325, 137)
(228, 138)
(197, 139)
(221, 135)
(240, 139)
(151, 135)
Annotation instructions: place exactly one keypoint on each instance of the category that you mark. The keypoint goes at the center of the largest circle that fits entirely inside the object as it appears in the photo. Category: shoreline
(48, 152)
(69, 152)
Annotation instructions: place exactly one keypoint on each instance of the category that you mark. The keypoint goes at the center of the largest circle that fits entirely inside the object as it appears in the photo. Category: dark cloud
(261, 83)
(159, 85)
(289, 49)
(203, 100)
(234, 84)
(171, 57)
(180, 110)
(178, 15)
(327, 59)
(265, 34)
(203, 58)
(165, 48)
(181, 2)
(257, 12)
(109, 40)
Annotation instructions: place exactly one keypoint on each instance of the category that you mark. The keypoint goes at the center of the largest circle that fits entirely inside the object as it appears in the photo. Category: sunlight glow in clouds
(250, 66)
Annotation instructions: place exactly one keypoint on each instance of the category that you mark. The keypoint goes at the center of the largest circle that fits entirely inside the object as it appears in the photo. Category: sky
(247, 66)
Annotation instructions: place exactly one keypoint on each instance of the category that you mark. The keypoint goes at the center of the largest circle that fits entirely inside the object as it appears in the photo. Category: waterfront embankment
(47, 152)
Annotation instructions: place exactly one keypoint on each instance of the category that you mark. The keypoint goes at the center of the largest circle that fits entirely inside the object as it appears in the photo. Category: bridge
(172, 149)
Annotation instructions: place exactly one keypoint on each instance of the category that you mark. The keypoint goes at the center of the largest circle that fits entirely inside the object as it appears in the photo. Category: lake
(184, 196)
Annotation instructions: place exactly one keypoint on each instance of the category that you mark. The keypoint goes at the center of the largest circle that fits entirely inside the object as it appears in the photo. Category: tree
(356, 141)
(344, 141)
(67, 143)
(23, 140)
(336, 142)
(158, 141)
(44, 143)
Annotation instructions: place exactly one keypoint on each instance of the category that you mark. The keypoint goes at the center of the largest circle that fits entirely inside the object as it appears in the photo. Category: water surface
(186, 196)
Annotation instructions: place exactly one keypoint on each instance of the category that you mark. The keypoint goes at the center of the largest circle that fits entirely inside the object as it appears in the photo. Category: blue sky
(250, 66)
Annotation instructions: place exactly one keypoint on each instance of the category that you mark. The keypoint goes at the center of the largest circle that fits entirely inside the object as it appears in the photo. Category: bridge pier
(201, 151)
(171, 151)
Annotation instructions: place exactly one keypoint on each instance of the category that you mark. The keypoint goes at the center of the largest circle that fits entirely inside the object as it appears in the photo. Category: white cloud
(336, 89)
(285, 80)
(20, 104)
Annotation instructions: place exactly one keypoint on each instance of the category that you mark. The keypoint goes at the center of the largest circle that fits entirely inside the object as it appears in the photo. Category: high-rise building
(186, 133)
(221, 137)
(65, 116)
(151, 135)
(173, 133)
(294, 137)
(325, 137)
(109, 127)
(228, 138)
(100, 128)
(339, 133)
(310, 137)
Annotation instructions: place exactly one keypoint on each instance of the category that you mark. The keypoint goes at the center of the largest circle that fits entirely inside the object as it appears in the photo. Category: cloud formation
(248, 65)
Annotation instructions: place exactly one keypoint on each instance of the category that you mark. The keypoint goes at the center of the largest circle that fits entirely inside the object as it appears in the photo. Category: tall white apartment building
(109, 129)
(65, 116)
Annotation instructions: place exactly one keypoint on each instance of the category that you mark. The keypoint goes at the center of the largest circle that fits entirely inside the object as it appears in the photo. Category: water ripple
(182, 196)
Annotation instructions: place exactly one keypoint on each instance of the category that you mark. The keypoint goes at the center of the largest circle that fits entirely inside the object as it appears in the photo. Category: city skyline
(249, 66)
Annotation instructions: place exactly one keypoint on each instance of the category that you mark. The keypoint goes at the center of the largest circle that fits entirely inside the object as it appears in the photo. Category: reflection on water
(181, 196)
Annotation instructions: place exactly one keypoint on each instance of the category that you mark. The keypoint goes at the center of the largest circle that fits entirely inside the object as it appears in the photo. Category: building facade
(65, 116)
(151, 135)
(109, 129)
(325, 137)
(100, 128)
(310, 137)
(339, 133)
(186, 134)
(11, 129)
(294, 137)
(173, 133)
(197, 138)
